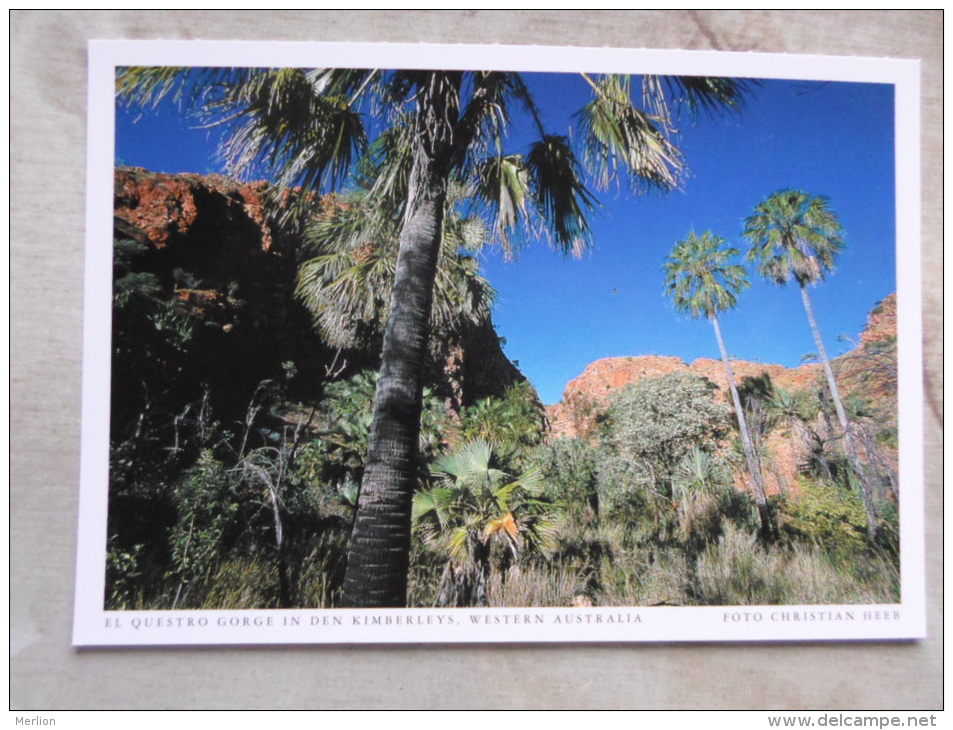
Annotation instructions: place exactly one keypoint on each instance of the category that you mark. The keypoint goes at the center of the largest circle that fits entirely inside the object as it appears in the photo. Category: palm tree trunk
(850, 447)
(379, 552)
(751, 456)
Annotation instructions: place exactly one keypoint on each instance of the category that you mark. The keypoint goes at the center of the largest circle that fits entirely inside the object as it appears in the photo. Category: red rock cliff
(869, 368)
(589, 392)
(215, 250)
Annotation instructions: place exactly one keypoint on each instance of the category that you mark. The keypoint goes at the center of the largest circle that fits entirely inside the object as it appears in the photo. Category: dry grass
(542, 585)
(610, 565)
(242, 583)
(739, 571)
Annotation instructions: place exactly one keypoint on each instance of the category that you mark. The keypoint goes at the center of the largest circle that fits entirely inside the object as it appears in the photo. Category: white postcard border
(93, 626)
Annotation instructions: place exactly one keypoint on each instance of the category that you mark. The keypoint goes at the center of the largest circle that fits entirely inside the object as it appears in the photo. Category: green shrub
(570, 468)
(123, 572)
(483, 518)
(220, 517)
(657, 422)
(827, 515)
(650, 435)
(517, 418)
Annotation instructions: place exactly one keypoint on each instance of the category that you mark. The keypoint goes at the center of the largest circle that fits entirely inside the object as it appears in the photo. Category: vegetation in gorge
(419, 132)
(275, 431)
(255, 509)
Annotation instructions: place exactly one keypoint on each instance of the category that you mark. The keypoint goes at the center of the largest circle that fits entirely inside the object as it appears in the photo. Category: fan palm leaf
(346, 283)
(794, 235)
(700, 279)
(621, 139)
(664, 96)
(478, 502)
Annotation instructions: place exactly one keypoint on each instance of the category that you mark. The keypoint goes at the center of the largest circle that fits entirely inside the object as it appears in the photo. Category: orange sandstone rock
(588, 394)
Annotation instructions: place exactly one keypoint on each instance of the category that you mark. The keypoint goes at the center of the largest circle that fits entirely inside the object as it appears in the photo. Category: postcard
(438, 344)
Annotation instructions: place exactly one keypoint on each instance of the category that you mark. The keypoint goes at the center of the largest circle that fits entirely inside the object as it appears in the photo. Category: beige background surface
(47, 196)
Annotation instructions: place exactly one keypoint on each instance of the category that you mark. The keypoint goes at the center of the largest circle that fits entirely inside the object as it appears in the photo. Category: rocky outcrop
(881, 323)
(868, 370)
(220, 254)
(215, 278)
(588, 393)
(473, 366)
(167, 207)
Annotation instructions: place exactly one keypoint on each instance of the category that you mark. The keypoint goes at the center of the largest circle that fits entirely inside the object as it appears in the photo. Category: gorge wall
(219, 254)
(869, 369)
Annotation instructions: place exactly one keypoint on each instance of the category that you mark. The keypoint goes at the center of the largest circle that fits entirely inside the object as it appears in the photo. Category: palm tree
(478, 504)
(352, 248)
(308, 127)
(348, 405)
(795, 235)
(701, 282)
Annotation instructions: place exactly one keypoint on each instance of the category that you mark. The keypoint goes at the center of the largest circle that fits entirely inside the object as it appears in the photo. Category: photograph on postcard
(379, 350)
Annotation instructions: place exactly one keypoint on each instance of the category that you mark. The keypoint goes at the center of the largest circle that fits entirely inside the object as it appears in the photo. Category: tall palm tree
(701, 282)
(795, 235)
(351, 262)
(308, 127)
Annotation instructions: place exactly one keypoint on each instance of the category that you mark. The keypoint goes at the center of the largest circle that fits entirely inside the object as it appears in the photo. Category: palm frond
(350, 84)
(699, 277)
(485, 501)
(283, 127)
(503, 525)
(347, 280)
(299, 127)
(458, 542)
(622, 141)
(561, 196)
(385, 170)
(532, 481)
(435, 503)
(667, 96)
(794, 235)
(503, 184)
(485, 119)
(504, 493)
(148, 86)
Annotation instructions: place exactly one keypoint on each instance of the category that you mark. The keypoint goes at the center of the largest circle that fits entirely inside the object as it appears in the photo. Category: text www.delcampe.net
(844, 720)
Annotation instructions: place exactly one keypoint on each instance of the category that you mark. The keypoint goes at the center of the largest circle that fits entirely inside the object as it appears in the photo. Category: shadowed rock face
(869, 369)
(208, 241)
(211, 245)
(216, 252)
(228, 270)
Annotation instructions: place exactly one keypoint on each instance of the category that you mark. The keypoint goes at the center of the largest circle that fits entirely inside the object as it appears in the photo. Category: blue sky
(560, 314)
